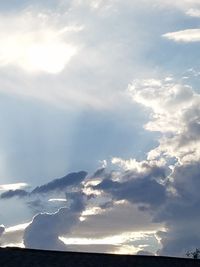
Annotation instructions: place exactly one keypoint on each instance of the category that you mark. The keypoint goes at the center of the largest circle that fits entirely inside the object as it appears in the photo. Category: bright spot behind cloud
(109, 240)
(48, 56)
(34, 45)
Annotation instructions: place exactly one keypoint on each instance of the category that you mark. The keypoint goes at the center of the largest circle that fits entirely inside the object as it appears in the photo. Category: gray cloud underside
(71, 179)
(142, 190)
(60, 184)
(14, 193)
(44, 230)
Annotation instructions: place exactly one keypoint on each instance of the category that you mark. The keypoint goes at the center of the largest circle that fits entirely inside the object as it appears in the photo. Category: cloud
(45, 229)
(166, 195)
(141, 190)
(36, 45)
(182, 234)
(116, 243)
(66, 222)
(97, 214)
(175, 114)
(142, 184)
(193, 12)
(14, 193)
(15, 186)
(72, 179)
(59, 41)
(185, 36)
(13, 236)
(2, 229)
(60, 184)
(120, 218)
(145, 253)
(34, 39)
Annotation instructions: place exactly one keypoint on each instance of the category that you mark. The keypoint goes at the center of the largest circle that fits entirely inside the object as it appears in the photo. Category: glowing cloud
(35, 45)
(5, 187)
(109, 240)
(186, 36)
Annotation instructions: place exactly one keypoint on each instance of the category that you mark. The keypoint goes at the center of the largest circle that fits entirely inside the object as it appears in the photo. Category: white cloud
(109, 240)
(33, 43)
(193, 12)
(37, 45)
(57, 200)
(185, 36)
(16, 186)
(13, 236)
(44, 230)
(137, 166)
(175, 113)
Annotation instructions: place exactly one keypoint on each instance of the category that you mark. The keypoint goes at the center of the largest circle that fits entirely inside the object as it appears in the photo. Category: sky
(100, 125)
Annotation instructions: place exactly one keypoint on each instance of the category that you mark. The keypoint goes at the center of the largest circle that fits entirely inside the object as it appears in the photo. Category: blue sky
(100, 85)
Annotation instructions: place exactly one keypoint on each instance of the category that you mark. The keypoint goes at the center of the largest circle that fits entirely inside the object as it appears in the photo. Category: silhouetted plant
(194, 254)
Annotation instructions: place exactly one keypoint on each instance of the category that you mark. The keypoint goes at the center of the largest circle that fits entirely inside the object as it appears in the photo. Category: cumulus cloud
(180, 212)
(45, 229)
(37, 45)
(79, 220)
(175, 114)
(13, 236)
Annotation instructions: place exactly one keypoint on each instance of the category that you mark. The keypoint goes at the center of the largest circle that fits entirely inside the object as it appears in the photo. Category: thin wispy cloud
(185, 36)
(16, 186)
